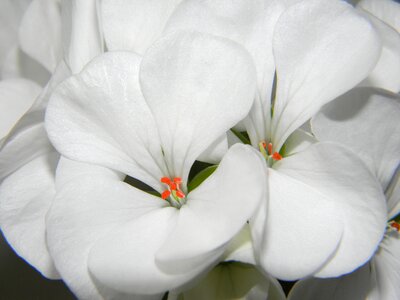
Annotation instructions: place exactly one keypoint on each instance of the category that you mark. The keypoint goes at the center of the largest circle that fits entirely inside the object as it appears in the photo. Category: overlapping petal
(134, 25)
(197, 87)
(42, 20)
(90, 203)
(25, 197)
(16, 97)
(320, 199)
(366, 121)
(386, 10)
(315, 60)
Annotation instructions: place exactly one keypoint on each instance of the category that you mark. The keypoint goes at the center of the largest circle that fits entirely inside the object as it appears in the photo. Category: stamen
(178, 180)
(165, 194)
(180, 194)
(395, 225)
(276, 156)
(165, 180)
(270, 148)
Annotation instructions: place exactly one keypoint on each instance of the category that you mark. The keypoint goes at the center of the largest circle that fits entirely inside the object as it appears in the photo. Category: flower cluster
(202, 149)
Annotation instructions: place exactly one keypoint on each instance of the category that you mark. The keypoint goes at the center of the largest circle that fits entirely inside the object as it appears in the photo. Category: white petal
(16, 97)
(18, 64)
(298, 141)
(319, 60)
(249, 23)
(134, 24)
(40, 32)
(393, 195)
(216, 151)
(302, 230)
(348, 287)
(197, 87)
(27, 141)
(386, 10)
(387, 268)
(100, 116)
(215, 211)
(386, 74)
(339, 175)
(241, 247)
(82, 36)
(25, 197)
(11, 12)
(366, 121)
(85, 209)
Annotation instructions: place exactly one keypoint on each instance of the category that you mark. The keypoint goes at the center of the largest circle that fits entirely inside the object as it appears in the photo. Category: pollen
(394, 225)
(266, 151)
(173, 193)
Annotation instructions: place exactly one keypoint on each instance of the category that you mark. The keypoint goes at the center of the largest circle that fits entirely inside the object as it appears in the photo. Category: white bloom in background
(150, 119)
(366, 121)
(233, 280)
(326, 213)
(27, 159)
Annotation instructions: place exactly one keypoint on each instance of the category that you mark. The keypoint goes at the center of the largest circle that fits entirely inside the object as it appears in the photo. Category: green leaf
(200, 177)
(241, 136)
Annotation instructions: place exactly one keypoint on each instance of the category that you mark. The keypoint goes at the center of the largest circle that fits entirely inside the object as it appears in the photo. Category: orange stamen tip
(172, 186)
(165, 180)
(178, 180)
(276, 156)
(180, 194)
(165, 194)
(395, 225)
(264, 144)
(270, 148)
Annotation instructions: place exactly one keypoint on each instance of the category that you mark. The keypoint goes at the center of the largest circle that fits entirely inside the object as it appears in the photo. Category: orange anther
(276, 156)
(269, 148)
(178, 180)
(180, 194)
(264, 144)
(395, 225)
(165, 194)
(165, 180)
(172, 186)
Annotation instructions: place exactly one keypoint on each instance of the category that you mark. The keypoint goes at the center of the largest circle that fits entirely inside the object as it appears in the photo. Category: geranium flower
(321, 196)
(150, 119)
(27, 159)
(352, 121)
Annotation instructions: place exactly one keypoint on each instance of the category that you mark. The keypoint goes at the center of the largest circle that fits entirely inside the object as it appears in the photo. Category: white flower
(366, 121)
(27, 159)
(150, 119)
(319, 49)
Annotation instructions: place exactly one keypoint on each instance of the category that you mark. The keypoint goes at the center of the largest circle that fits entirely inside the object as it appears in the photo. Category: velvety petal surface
(25, 197)
(249, 23)
(386, 74)
(333, 173)
(134, 24)
(317, 61)
(16, 97)
(215, 211)
(366, 121)
(386, 10)
(82, 35)
(100, 116)
(90, 203)
(197, 86)
(42, 20)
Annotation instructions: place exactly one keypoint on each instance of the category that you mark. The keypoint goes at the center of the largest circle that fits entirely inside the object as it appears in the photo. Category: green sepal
(200, 177)
(241, 136)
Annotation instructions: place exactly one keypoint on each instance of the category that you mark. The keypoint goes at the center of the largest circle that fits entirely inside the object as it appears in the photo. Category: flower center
(173, 194)
(266, 151)
(395, 226)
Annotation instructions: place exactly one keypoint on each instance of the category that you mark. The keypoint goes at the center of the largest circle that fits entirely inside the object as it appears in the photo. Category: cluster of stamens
(173, 194)
(266, 151)
(394, 226)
